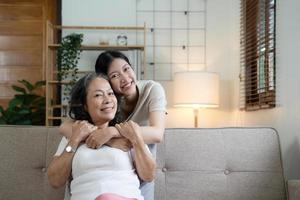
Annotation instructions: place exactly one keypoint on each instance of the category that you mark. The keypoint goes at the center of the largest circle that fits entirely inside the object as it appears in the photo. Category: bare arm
(150, 134)
(66, 128)
(97, 138)
(120, 143)
(144, 162)
(155, 131)
(101, 137)
(59, 169)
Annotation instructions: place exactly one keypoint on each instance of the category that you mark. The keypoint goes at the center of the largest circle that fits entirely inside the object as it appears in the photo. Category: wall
(95, 12)
(223, 57)
(98, 13)
(218, 23)
(286, 117)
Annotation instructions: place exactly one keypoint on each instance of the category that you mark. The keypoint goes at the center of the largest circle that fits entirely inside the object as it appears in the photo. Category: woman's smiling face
(122, 77)
(101, 102)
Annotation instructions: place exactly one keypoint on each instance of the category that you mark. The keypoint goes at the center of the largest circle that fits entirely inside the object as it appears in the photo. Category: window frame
(258, 50)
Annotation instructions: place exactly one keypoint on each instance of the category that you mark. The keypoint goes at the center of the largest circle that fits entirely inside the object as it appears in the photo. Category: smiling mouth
(107, 109)
(127, 85)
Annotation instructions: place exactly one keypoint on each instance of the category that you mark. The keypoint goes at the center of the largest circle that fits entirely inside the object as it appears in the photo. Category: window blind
(257, 71)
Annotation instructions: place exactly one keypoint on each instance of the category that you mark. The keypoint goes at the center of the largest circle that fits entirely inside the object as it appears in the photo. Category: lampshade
(196, 89)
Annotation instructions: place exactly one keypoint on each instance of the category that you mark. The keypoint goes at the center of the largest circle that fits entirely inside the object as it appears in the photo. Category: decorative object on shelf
(27, 107)
(68, 55)
(196, 89)
(122, 40)
(104, 40)
(65, 110)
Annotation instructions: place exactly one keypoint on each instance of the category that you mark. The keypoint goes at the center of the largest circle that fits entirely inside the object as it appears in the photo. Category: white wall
(99, 13)
(223, 57)
(114, 12)
(286, 117)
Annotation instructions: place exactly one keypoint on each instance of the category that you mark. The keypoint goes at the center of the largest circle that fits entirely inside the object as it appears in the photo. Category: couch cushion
(228, 163)
(223, 164)
(24, 158)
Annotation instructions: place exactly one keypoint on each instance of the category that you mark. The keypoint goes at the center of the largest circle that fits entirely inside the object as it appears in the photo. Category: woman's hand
(81, 130)
(143, 160)
(60, 167)
(130, 130)
(120, 143)
(100, 137)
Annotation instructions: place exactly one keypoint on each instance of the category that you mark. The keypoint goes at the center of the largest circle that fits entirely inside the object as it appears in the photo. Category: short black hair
(106, 58)
(78, 99)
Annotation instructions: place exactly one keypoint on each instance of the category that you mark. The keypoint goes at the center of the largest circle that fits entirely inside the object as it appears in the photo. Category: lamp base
(196, 111)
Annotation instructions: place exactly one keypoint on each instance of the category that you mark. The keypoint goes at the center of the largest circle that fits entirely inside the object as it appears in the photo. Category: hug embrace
(108, 147)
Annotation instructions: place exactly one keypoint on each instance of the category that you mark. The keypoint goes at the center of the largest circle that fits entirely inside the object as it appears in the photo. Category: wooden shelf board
(101, 27)
(79, 72)
(58, 106)
(104, 47)
(59, 82)
(52, 118)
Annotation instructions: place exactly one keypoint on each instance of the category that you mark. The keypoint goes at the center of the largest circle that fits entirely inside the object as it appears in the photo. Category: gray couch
(193, 164)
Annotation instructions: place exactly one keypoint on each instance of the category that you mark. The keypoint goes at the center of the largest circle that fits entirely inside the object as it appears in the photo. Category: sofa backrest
(222, 164)
(25, 152)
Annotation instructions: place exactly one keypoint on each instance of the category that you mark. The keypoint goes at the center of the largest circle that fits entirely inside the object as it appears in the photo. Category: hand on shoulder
(130, 130)
(81, 130)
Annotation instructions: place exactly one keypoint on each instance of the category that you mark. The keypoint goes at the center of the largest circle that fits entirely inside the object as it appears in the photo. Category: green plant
(27, 107)
(68, 55)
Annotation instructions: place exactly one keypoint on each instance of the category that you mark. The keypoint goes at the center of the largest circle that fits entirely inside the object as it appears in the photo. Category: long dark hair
(78, 99)
(106, 58)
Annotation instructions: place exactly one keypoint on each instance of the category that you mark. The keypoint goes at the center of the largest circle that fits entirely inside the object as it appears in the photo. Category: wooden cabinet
(55, 110)
(22, 42)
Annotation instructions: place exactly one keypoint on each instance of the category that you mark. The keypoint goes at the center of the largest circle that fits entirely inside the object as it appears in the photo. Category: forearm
(152, 134)
(121, 143)
(155, 131)
(113, 132)
(144, 162)
(59, 169)
(66, 128)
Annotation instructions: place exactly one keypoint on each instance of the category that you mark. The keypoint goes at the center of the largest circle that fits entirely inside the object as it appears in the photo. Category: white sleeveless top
(103, 170)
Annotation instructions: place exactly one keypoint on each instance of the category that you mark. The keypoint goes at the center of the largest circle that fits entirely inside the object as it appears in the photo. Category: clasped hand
(130, 130)
(82, 131)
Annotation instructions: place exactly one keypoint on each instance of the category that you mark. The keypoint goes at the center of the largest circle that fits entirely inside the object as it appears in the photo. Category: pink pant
(109, 196)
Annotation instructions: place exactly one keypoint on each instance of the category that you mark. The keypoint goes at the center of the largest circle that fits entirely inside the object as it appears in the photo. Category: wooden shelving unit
(105, 47)
(52, 71)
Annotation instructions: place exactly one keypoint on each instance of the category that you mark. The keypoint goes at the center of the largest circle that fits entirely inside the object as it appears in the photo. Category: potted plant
(68, 55)
(27, 107)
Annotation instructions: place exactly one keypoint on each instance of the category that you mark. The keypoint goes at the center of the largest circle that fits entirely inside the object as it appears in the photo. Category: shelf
(101, 27)
(51, 47)
(59, 82)
(58, 106)
(79, 72)
(104, 47)
(52, 118)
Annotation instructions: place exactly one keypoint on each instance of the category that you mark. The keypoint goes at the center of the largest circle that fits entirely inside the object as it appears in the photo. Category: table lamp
(196, 89)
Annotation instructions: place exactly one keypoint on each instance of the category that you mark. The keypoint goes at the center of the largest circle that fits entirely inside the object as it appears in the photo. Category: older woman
(105, 172)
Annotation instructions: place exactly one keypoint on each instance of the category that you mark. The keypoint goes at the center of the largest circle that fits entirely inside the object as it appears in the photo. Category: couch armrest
(293, 189)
